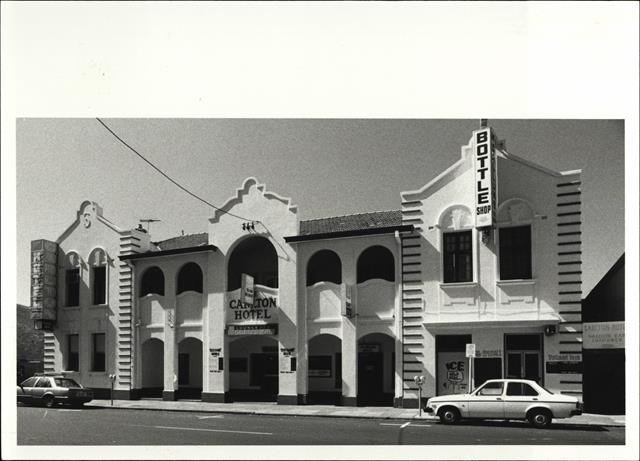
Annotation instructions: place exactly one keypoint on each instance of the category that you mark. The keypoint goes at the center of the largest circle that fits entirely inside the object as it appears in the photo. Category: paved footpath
(332, 411)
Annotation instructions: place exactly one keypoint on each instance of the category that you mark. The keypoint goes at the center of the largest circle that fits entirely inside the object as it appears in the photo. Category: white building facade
(344, 310)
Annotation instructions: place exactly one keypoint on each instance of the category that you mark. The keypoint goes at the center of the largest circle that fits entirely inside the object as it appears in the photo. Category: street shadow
(526, 425)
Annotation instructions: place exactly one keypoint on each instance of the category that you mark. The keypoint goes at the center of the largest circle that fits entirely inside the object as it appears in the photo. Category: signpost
(112, 378)
(471, 354)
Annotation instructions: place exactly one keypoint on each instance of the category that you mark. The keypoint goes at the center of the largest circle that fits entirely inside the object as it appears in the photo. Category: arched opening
(189, 278)
(254, 256)
(376, 262)
(189, 369)
(253, 369)
(325, 370)
(376, 370)
(324, 266)
(152, 282)
(152, 364)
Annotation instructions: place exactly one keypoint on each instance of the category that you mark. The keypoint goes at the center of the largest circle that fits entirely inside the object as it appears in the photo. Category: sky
(327, 167)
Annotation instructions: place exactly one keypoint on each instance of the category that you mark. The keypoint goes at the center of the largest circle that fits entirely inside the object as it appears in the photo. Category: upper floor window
(457, 257)
(72, 279)
(189, 278)
(152, 282)
(98, 262)
(324, 266)
(515, 252)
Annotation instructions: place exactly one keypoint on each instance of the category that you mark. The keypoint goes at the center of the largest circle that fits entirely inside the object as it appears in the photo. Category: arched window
(254, 256)
(152, 282)
(72, 279)
(376, 262)
(457, 244)
(98, 264)
(324, 266)
(189, 278)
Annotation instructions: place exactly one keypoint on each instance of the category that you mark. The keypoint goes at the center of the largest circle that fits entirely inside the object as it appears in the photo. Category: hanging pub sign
(246, 289)
(43, 284)
(485, 178)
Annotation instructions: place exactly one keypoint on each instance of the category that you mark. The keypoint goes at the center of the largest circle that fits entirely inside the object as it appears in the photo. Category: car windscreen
(66, 382)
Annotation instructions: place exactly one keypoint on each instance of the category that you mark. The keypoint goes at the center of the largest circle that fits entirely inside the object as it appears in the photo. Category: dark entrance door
(370, 379)
(183, 369)
(264, 373)
(524, 357)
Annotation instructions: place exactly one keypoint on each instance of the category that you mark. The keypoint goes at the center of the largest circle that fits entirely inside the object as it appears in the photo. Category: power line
(167, 176)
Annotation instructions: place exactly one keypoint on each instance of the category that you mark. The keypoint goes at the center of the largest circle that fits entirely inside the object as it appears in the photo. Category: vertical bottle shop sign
(485, 178)
(43, 283)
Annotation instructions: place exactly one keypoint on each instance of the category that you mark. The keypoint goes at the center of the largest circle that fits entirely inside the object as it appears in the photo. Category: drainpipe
(399, 322)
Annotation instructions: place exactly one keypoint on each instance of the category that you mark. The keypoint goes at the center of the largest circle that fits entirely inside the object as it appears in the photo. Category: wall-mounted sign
(366, 347)
(347, 305)
(453, 377)
(43, 283)
(241, 330)
(287, 359)
(214, 360)
(603, 335)
(489, 353)
(261, 311)
(485, 178)
(575, 357)
(564, 367)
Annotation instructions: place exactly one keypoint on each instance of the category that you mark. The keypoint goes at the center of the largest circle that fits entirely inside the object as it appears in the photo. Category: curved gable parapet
(87, 215)
(244, 191)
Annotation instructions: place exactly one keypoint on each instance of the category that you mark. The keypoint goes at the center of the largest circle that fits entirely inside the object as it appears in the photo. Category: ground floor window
(73, 352)
(452, 368)
(98, 348)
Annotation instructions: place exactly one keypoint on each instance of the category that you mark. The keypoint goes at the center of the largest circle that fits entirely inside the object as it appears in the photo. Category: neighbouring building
(603, 345)
(29, 345)
(345, 309)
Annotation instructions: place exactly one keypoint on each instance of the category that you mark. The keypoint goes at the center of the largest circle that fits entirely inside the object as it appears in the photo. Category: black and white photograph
(309, 231)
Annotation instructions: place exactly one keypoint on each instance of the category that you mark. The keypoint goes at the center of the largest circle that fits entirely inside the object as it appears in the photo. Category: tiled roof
(183, 241)
(353, 222)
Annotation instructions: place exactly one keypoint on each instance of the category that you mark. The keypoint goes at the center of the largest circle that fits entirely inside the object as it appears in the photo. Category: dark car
(50, 390)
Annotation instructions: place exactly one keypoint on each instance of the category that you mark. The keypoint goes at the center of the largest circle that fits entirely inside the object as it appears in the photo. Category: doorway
(376, 370)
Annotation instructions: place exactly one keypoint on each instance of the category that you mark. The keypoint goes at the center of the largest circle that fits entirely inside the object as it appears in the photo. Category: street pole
(112, 378)
(420, 402)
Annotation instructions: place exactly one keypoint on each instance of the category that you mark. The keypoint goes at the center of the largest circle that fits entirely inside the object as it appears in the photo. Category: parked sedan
(49, 390)
(505, 399)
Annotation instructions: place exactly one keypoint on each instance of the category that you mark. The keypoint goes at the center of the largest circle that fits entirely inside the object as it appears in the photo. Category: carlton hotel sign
(252, 309)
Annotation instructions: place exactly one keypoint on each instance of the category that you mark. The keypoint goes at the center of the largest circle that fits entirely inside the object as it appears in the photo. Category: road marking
(205, 430)
(390, 424)
(405, 425)
(66, 409)
(420, 425)
(209, 417)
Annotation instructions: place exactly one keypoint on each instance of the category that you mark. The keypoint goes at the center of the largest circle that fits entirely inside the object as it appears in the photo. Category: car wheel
(449, 415)
(48, 401)
(540, 418)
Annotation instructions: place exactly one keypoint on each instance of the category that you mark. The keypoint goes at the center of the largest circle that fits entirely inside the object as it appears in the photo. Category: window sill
(98, 306)
(454, 285)
(70, 308)
(97, 373)
(516, 282)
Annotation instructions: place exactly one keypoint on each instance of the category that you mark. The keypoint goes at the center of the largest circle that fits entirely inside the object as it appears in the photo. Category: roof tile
(373, 220)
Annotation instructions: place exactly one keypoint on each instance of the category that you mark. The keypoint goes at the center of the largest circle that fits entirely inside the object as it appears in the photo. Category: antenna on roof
(149, 221)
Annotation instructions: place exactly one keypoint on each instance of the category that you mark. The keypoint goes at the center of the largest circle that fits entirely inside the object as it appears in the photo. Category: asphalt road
(103, 426)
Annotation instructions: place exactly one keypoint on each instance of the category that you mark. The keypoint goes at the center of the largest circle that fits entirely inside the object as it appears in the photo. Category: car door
(27, 390)
(42, 386)
(487, 401)
(518, 397)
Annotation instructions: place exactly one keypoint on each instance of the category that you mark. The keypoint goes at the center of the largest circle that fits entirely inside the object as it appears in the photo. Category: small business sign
(471, 350)
(485, 178)
(241, 330)
(43, 283)
(287, 359)
(368, 348)
(214, 360)
(603, 335)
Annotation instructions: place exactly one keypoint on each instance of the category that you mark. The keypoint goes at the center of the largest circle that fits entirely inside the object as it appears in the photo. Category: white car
(505, 399)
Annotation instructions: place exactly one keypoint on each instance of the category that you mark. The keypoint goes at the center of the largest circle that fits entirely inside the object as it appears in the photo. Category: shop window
(189, 278)
(152, 282)
(73, 353)
(238, 365)
(99, 275)
(324, 266)
(457, 257)
(320, 366)
(515, 252)
(376, 262)
(98, 349)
